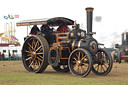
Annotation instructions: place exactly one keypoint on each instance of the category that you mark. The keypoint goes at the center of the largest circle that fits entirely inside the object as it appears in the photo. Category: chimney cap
(89, 9)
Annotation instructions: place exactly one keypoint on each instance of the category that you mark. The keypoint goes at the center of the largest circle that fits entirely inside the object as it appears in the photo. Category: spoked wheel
(102, 62)
(34, 53)
(61, 68)
(80, 62)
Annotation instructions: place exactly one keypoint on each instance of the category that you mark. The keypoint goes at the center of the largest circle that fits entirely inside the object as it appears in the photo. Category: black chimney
(89, 21)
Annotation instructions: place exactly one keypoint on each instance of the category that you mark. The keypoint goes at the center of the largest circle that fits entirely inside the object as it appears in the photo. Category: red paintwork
(7, 44)
(124, 56)
(62, 37)
(62, 29)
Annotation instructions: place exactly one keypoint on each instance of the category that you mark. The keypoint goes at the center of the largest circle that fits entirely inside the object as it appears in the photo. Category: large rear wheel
(34, 53)
(102, 62)
(80, 62)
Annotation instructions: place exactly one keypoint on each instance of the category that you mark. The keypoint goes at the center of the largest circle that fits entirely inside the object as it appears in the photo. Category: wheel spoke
(29, 54)
(33, 43)
(36, 45)
(39, 59)
(34, 67)
(75, 67)
(77, 56)
(82, 69)
(30, 45)
(37, 63)
(106, 63)
(30, 64)
(40, 56)
(28, 58)
(98, 68)
(105, 66)
(102, 67)
(75, 59)
(28, 51)
(38, 48)
(83, 57)
(39, 53)
(85, 65)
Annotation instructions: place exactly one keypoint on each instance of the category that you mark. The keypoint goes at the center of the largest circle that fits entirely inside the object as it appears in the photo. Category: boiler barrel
(88, 44)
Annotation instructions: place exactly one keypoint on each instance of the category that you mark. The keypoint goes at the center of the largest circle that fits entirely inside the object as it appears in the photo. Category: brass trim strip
(73, 44)
(63, 58)
(79, 43)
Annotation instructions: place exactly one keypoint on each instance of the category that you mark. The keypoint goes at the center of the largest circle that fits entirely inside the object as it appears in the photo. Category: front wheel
(80, 62)
(102, 62)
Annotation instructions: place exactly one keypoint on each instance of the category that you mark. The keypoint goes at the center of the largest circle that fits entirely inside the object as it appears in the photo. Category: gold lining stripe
(79, 43)
(73, 44)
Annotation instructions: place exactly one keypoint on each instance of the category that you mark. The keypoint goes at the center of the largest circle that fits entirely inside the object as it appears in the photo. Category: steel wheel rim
(33, 54)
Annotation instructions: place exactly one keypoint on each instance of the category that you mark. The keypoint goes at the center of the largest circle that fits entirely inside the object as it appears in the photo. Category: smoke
(111, 40)
(98, 18)
(115, 39)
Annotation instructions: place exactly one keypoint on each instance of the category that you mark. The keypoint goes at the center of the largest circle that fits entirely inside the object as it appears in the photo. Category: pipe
(89, 21)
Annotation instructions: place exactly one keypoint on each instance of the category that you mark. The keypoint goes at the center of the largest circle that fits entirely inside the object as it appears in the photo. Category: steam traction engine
(123, 48)
(75, 50)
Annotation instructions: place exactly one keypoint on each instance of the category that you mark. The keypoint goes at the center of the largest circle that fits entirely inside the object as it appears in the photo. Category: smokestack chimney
(89, 21)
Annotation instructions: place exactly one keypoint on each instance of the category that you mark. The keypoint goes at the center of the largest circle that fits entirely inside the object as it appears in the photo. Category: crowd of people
(46, 29)
(10, 57)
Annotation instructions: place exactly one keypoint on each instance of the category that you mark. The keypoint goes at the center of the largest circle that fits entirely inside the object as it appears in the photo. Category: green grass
(53, 79)
(17, 75)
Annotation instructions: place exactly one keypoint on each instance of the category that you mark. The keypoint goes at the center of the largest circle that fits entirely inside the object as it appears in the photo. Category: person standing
(35, 30)
(9, 55)
(13, 55)
(3, 56)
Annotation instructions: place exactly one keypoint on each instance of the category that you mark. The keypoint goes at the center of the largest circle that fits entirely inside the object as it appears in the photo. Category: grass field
(13, 73)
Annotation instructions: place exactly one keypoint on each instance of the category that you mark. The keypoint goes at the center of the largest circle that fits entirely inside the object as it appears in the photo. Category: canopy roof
(56, 21)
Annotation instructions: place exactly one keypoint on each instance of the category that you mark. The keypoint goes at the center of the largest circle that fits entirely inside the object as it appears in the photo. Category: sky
(113, 13)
